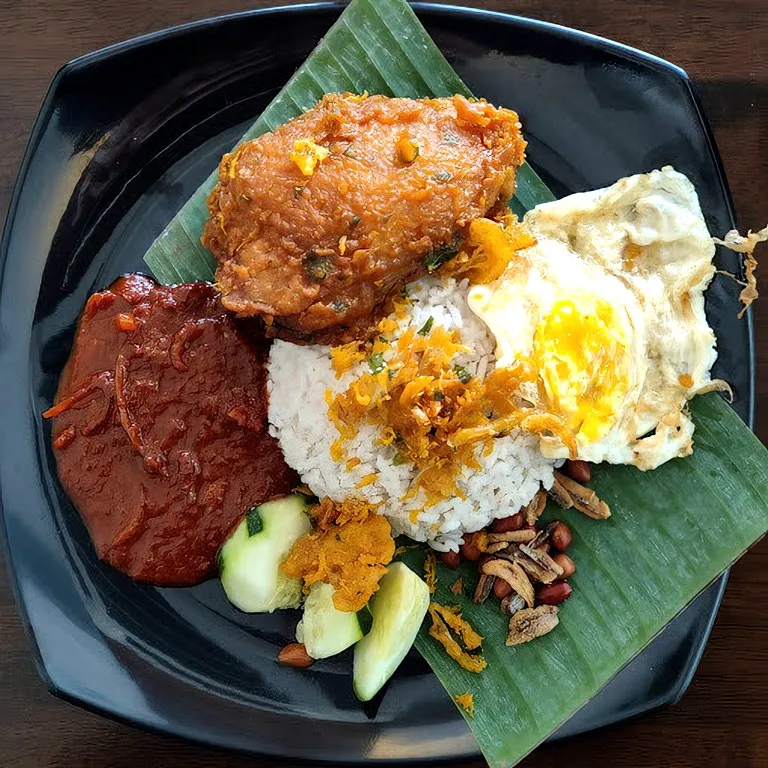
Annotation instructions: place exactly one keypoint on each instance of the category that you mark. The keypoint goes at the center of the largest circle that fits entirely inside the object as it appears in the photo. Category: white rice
(298, 379)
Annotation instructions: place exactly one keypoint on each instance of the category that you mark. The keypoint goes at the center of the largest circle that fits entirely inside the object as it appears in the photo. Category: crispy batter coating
(316, 224)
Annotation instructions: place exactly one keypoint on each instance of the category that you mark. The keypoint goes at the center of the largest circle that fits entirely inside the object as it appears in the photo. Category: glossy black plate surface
(124, 137)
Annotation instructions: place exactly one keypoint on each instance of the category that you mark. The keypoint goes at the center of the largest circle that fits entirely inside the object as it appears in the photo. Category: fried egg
(608, 305)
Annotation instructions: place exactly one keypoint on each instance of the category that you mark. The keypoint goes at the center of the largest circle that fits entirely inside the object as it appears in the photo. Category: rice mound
(298, 414)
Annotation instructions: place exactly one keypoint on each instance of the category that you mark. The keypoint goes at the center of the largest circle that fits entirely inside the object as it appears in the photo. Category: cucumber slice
(398, 609)
(325, 630)
(249, 561)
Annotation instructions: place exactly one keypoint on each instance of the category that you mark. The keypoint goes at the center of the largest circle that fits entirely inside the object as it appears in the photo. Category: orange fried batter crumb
(441, 616)
(430, 572)
(467, 702)
(345, 356)
(349, 549)
(307, 154)
(488, 250)
(451, 615)
(368, 479)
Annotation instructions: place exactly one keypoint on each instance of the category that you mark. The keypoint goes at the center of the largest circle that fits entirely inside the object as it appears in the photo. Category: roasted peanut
(471, 548)
(451, 559)
(295, 655)
(566, 564)
(555, 593)
(501, 589)
(506, 524)
(577, 470)
(560, 536)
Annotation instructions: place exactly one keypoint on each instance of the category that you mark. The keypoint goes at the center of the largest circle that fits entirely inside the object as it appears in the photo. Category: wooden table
(723, 719)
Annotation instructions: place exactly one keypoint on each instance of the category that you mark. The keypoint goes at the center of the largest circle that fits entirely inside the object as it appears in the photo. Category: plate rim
(582, 38)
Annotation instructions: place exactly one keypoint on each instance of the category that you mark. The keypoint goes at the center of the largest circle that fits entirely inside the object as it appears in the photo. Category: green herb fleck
(253, 522)
(462, 374)
(427, 327)
(438, 396)
(438, 256)
(442, 176)
(398, 459)
(340, 305)
(317, 267)
(383, 339)
(376, 363)
(404, 292)
(354, 221)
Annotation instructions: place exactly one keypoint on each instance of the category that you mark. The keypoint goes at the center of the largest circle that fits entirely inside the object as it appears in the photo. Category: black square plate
(123, 139)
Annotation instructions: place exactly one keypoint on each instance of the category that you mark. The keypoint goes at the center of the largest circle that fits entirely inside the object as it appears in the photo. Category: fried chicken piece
(316, 224)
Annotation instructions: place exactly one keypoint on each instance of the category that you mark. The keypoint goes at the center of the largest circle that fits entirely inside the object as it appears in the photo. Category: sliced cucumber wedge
(398, 609)
(249, 561)
(325, 630)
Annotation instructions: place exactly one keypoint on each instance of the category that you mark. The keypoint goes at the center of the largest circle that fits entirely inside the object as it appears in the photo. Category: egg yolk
(582, 355)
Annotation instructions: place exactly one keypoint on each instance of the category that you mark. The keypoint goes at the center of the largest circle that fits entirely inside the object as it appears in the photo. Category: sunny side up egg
(609, 307)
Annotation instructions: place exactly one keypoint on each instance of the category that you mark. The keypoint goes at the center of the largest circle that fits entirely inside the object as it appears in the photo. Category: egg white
(642, 246)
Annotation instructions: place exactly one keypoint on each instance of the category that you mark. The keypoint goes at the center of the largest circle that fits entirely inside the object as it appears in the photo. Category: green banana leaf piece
(673, 530)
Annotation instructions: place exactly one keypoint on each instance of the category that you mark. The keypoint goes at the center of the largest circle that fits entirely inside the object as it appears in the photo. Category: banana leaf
(671, 533)
(673, 530)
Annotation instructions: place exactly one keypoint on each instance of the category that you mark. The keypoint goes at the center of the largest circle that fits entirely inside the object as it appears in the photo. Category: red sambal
(160, 428)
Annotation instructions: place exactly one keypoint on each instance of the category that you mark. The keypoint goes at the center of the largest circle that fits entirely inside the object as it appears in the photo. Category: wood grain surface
(723, 44)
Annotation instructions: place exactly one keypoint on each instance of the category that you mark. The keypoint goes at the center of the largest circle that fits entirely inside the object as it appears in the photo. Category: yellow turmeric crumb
(407, 149)
(472, 662)
(350, 549)
(430, 572)
(344, 357)
(307, 155)
(467, 702)
(367, 480)
(387, 436)
(452, 616)
(229, 166)
(337, 450)
(489, 249)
